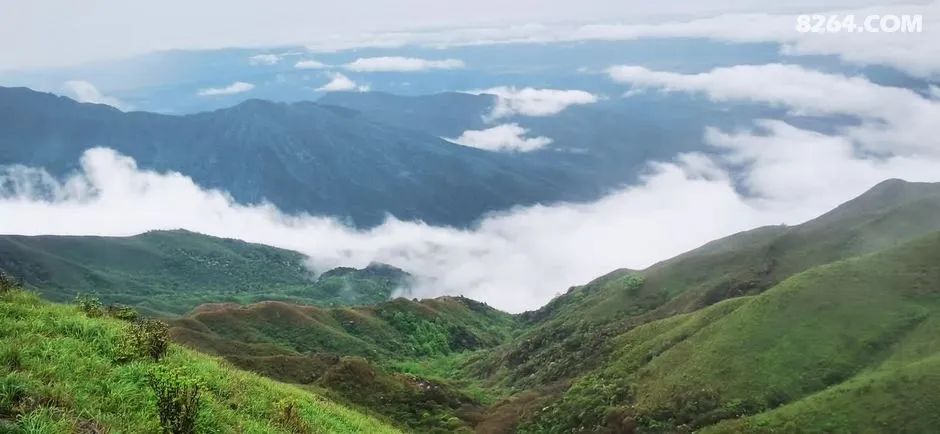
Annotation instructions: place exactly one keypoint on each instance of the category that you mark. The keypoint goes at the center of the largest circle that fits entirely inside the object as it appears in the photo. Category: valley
(771, 329)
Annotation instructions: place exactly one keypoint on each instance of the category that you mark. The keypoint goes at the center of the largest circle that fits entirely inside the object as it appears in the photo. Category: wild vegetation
(366, 356)
(828, 326)
(62, 370)
(170, 272)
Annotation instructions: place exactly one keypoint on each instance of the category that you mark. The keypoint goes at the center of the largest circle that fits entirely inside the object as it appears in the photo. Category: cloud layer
(894, 119)
(264, 59)
(310, 64)
(529, 101)
(232, 89)
(514, 260)
(84, 91)
(341, 83)
(505, 137)
(46, 34)
(401, 64)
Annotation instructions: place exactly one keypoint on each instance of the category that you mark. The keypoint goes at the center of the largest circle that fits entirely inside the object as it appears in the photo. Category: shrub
(177, 400)
(125, 313)
(8, 283)
(145, 338)
(89, 304)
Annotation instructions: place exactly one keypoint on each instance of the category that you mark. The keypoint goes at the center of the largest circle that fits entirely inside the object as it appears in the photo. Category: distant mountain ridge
(302, 157)
(171, 272)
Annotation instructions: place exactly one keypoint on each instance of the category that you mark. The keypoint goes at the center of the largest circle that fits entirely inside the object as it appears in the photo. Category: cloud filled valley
(518, 259)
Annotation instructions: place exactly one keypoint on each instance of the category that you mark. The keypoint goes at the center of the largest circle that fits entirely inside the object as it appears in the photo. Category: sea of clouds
(518, 259)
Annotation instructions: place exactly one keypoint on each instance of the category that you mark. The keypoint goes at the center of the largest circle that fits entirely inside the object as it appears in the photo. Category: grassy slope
(391, 358)
(572, 333)
(397, 329)
(845, 346)
(58, 375)
(889, 214)
(173, 271)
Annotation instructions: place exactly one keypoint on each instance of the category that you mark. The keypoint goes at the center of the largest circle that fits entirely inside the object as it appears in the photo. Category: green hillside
(573, 333)
(62, 371)
(827, 326)
(838, 348)
(171, 272)
(373, 356)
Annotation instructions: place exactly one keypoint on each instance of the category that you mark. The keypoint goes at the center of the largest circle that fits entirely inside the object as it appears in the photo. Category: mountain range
(172, 272)
(362, 156)
(301, 157)
(826, 326)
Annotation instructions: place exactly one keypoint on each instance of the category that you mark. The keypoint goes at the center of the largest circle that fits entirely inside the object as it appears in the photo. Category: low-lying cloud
(310, 64)
(401, 64)
(514, 260)
(84, 91)
(512, 101)
(505, 137)
(341, 83)
(264, 59)
(232, 89)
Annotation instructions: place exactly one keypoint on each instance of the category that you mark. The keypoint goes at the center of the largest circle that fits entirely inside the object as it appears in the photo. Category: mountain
(843, 347)
(591, 351)
(302, 157)
(575, 330)
(63, 370)
(442, 114)
(171, 272)
(610, 142)
(389, 330)
(794, 310)
(360, 355)
(826, 326)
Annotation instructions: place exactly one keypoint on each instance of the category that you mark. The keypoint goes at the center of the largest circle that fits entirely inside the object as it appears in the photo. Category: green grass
(58, 373)
(400, 329)
(840, 347)
(171, 272)
(406, 352)
(571, 335)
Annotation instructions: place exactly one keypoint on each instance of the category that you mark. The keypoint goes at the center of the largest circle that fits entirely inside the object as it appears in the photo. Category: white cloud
(340, 83)
(913, 52)
(232, 89)
(506, 137)
(514, 260)
(401, 64)
(32, 36)
(83, 91)
(533, 102)
(897, 119)
(264, 59)
(788, 165)
(310, 64)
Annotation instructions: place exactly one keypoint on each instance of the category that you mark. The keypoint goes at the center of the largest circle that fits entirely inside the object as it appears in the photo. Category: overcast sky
(43, 33)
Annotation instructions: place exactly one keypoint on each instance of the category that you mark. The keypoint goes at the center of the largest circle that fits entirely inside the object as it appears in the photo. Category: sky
(766, 171)
(48, 33)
